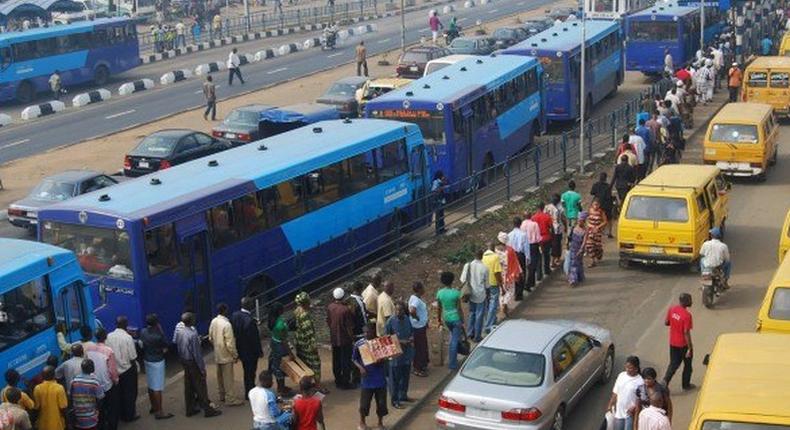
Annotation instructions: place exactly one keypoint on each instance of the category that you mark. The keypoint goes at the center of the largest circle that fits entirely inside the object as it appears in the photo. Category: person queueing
(418, 312)
(154, 346)
(575, 257)
(341, 322)
(278, 347)
(248, 341)
(400, 367)
(12, 410)
(306, 343)
(596, 222)
(220, 334)
(187, 342)
(373, 383)
(85, 394)
(125, 350)
(51, 402)
(451, 315)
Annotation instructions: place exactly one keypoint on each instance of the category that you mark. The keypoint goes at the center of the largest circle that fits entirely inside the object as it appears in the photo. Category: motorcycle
(712, 285)
(329, 39)
(450, 35)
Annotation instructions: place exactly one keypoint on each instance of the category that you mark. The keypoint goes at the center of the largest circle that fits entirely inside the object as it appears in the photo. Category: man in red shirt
(680, 348)
(546, 225)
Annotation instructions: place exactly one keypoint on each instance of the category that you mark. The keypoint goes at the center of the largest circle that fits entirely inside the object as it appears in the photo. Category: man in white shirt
(475, 273)
(386, 307)
(125, 352)
(716, 253)
(220, 334)
(180, 39)
(669, 65)
(517, 239)
(654, 417)
(639, 146)
(234, 67)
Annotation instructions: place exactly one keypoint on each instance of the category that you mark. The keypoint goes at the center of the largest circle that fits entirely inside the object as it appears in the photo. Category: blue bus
(81, 52)
(559, 51)
(473, 113)
(265, 218)
(41, 288)
(670, 27)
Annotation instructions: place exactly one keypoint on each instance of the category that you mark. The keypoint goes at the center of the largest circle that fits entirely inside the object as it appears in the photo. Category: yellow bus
(784, 238)
(767, 80)
(774, 313)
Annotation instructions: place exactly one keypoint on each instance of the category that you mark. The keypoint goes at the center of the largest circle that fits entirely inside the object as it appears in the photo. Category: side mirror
(596, 343)
(706, 360)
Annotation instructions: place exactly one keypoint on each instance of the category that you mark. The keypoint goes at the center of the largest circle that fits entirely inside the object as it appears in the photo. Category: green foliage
(462, 255)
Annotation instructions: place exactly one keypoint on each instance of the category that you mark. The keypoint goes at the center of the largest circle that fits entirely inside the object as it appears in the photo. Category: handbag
(466, 288)
(464, 347)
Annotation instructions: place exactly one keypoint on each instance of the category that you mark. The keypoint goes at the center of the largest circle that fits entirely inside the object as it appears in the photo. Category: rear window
(156, 146)
(730, 425)
(758, 79)
(49, 190)
(780, 304)
(338, 89)
(499, 366)
(649, 208)
(242, 117)
(734, 133)
(780, 79)
(462, 44)
(414, 57)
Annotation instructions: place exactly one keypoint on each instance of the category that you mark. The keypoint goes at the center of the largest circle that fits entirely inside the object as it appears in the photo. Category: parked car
(167, 148)
(53, 189)
(563, 12)
(441, 63)
(377, 87)
(242, 125)
(512, 381)
(505, 37)
(343, 95)
(473, 45)
(411, 63)
(535, 26)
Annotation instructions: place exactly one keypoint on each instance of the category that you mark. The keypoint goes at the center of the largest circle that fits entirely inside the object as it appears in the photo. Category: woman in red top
(307, 410)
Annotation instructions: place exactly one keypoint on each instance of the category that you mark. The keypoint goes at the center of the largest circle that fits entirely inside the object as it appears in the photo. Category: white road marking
(116, 115)
(461, 19)
(424, 30)
(384, 40)
(493, 11)
(335, 54)
(18, 142)
(281, 69)
(521, 3)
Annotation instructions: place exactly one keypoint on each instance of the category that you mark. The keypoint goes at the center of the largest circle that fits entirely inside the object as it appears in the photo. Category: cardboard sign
(380, 348)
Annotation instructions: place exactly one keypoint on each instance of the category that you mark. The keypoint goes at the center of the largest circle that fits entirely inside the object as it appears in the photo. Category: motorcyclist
(452, 30)
(715, 254)
(330, 36)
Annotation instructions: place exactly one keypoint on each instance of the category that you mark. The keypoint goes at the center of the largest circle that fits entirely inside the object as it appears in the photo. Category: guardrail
(551, 156)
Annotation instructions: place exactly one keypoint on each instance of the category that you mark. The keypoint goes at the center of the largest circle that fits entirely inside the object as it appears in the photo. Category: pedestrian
(373, 384)
(623, 402)
(626, 148)
(681, 350)
(358, 309)
(154, 348)
(266, 413)
(475, 275)
(278, 5)
(278, 347)
(308, 411)
(123, 346)
(654, 417)
(84, 395)
(623, 179)
(669, 64)
(106, 372)
(493, 284)
(180, 35)
(216, 26)
(210, 93)
(196, 31)
(643, 145)
(306, 342)
(340, 320)
(371, 295)
(55, 84)
(187, 342)
(70, 368)
(51, 402)
(571, 202)
(451, 315)
(767, 45)
(362, 58)
(511, 271)
(517, 240)
(418, 312)
(652, 386)
(400, 367)
(12, 411)
(734, 83)
(234, 67)
(707, 77)
(575, 257)
(534, 268)
(386, 307)
(435, 25)
(12, 378)
(546, 226)
(248, 341)
(438, 188)
(654, 149)
(558, 221)
(596, 221)
(220, 334)
(602, 191)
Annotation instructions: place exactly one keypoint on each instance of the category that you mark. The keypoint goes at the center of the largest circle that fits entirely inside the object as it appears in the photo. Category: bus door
(419, 180)
(71, 310)
(193, 257)
(466, 114)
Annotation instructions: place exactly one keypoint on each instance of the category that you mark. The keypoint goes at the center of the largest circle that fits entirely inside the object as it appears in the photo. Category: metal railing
(550, 156)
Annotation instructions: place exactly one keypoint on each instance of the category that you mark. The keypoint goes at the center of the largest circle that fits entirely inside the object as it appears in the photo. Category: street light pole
(402, 25)
(582, 91)
(702, 25)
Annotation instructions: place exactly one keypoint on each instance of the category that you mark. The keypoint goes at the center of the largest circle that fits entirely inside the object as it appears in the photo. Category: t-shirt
(25, 402)
(50, 398)
(546, 225)
(571, 199)
(85, 395)
(476, 274)
(422, 312)
(374, 373)
(491, 260)
(263, 403)
(448, 297)
(280, 329)
(306, 410)
(625, 387)
(679, 322)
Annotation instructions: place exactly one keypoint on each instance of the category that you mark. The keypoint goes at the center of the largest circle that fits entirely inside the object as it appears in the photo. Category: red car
(411, 63)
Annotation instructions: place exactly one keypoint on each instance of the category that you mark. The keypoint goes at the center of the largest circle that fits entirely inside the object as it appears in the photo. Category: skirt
(155, 375)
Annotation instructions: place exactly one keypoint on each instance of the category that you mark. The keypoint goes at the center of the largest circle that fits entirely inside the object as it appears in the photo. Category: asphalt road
(119, 113)
(632, 303)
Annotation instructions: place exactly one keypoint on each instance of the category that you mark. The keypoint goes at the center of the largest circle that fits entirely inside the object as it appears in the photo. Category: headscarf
(302, 298)
(502, 238)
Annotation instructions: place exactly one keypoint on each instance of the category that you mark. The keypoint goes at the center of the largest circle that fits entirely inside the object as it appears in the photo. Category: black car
(411, 63)
(472, 45)
(343, 94)
(167, 148)
(506, 37)
(242, 125)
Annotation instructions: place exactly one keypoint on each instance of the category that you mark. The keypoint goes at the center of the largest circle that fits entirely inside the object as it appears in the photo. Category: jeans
(677, 355)
(533, 267)
(545, 251)
(624, 423)
(235, 71)
(400, 382)
(283, 423)
(455, 337)
(493, 307)
(726, 267)
(275, 358)
(211, 107)
(474, 326)
(733, 94)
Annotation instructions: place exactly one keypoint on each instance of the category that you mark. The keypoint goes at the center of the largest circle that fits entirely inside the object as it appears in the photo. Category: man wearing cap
(340, 321)
(716, 253)
(734, 82)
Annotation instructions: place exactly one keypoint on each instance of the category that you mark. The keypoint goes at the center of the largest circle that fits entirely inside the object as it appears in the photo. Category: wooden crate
(296, 369)
(380, 348)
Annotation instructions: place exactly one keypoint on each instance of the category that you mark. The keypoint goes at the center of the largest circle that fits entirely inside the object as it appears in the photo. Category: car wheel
(559, 419)
(608, 367)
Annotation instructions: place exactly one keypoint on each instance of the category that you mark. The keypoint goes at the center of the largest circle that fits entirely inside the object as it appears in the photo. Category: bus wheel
(25, 92)
(261, 287)
(101, 75)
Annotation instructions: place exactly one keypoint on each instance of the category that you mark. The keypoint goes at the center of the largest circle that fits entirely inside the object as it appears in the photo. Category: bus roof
(769, 63)
(287, 155)
(563, 37)
(302, 112)
(742, 113)
(665, 9)
(748, 374)
(451, 83)
(57, 30)
(680, 176)
(18, 257)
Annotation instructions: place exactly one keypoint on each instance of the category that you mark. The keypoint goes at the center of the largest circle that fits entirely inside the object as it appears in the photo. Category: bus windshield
(100, 251)
(24, 311)
(732, 425)
(431, 123)
(734, 133)
(780, 304)
(650, 208)
(553, 70)
(653, 31)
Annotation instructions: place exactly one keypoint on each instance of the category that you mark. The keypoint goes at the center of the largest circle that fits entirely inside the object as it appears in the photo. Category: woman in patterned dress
(306, 344)
(596, 221)
(574, 260)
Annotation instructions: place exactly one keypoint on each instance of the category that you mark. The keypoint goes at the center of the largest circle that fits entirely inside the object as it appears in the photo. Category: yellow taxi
(767, 80)
(784, 238)
(774, 314)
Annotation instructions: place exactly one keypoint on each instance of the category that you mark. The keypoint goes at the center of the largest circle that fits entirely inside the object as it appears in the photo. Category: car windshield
(734, 133)
(731, 425)
(156, 145)
(344, 90)
(780, 304)
(650, 208)
(499, 366)
(51, 190)
(100, 251)
(653, 31)
(462, 44)
(244, 117)
(414, 57)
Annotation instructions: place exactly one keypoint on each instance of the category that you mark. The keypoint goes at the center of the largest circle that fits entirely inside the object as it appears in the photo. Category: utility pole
(402, 25)
(247, 14)
(702, 25)
(582, 96)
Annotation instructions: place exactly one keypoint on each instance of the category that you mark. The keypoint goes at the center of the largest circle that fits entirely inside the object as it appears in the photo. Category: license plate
(143, 164)
(414, 68)
(230, 135)
(33, 221)
(32, 215)
(483, 413)
(656, 250)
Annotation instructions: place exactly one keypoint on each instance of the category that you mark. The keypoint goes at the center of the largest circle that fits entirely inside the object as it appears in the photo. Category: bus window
(25, 311)
(253, 218)
(100, 251)
(779, 79)
(757, 79)
(24, 51)
(5, 57)
(359, 174)
(160, 249)
(323, 186)
(291, 201)
(222, 222)
(554, 70)
(653, 31)
(392, 160)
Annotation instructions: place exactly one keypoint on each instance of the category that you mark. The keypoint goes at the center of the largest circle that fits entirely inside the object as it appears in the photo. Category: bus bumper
(649, 258)
(739, 169)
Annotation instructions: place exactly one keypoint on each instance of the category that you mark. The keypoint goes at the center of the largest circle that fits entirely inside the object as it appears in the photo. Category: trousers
(195, 389)
(677, 355)
(341, 364)
(127, 384)
(225, 383)
(249, 366)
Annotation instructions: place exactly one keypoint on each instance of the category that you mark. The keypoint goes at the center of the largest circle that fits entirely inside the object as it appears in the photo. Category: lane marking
(18, 142)
(425, 30)
(116, 115)
(461, 19)
(281, 69)
(493, 11)
(335, 55)
(384, 40)
(521, 3)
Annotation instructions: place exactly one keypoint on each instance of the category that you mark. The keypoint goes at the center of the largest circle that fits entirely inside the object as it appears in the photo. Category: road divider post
(96, 96)
(43, 109)
(135, 86)
(5, 120)
(175, 76)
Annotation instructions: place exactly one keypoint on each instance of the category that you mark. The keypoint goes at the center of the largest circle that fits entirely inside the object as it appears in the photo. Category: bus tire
(25, 92)
(261, 286)
(101, 75)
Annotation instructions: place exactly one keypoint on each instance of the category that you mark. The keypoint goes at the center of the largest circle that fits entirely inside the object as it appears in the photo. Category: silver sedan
(527, 375)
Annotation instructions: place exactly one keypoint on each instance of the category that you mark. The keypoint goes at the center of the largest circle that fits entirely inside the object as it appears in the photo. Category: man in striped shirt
(85, 395)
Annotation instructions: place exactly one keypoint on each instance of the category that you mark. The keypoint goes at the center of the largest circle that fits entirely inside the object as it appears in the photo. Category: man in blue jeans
(450, 315)
(491, 260)
(475, 273)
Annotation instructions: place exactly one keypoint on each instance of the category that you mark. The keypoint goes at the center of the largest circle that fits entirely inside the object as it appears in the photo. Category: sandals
(164, 417)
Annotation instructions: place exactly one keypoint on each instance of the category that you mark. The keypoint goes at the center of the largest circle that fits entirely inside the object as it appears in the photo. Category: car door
(186, 150)
(207, 145)
(585, 361)
(562, 366)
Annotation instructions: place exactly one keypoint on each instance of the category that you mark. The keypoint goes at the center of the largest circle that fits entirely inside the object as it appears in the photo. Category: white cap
(338, 293)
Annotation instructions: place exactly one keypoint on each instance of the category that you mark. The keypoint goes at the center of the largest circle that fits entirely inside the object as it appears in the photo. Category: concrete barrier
(95, 96)
(289, 48)
(312, 43)
(245, 59)
(468, 4)
(371, 28)
(135, 86)
(265, 54)
(175, 76)
(448, 9)
(208, 68)
(484, 2)
(43, 109)
(5, 120)
(362, 29)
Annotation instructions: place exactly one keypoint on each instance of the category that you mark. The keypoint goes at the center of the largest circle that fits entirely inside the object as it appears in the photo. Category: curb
(3, 215)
